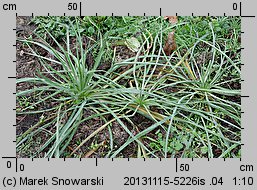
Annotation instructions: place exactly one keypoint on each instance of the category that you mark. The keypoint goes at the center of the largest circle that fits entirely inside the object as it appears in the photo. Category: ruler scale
(131, 173)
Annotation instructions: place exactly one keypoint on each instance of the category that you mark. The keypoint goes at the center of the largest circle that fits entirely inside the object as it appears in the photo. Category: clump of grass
(75, 87)
(189, 101)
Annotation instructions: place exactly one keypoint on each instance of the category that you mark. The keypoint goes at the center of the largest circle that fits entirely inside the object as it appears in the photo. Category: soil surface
(27, 66)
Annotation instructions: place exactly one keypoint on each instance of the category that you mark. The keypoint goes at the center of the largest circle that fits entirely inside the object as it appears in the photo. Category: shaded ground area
(27, 66)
